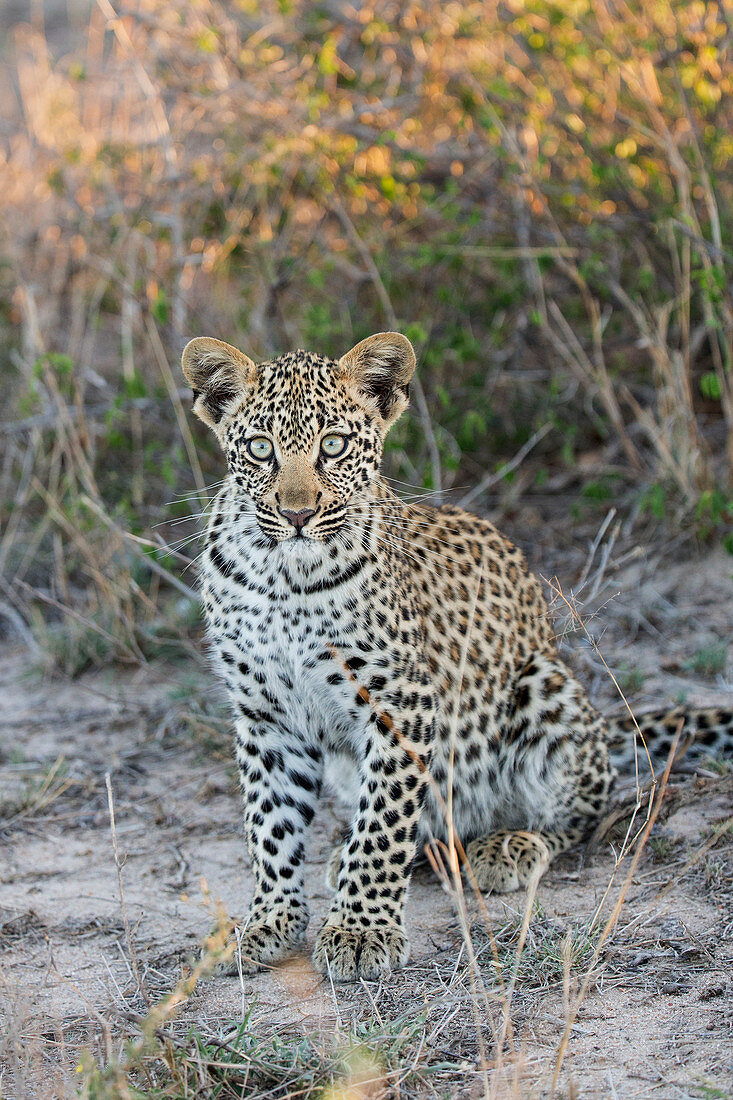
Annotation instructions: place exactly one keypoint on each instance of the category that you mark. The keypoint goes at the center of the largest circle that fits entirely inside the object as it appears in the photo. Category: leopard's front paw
(265, 940)
(349, 953)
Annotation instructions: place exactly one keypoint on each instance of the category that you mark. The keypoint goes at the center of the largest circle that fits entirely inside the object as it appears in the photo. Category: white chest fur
(274, 618)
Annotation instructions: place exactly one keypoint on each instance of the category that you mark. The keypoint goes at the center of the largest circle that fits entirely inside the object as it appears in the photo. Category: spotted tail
(706, 731)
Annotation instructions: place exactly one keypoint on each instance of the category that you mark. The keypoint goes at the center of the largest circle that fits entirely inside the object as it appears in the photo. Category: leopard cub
(393, 649)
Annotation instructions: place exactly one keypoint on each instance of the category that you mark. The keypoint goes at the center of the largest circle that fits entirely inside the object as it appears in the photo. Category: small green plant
(598, 491)
(711, 1092)
(714, 515)
(73, 646)
(655, 500)
(38, 792)
(663, 847)
(709, 660)
(631, 678)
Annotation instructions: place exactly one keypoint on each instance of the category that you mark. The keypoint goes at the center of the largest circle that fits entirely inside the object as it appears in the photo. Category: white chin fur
(301, 549)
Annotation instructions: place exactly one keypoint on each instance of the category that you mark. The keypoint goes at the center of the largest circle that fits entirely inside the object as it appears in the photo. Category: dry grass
(287, 175)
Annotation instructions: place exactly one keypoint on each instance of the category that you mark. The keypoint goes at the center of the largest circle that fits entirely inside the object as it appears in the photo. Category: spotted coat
(402, 653)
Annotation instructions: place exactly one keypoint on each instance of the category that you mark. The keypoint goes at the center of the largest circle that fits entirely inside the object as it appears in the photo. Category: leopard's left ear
(378, 373)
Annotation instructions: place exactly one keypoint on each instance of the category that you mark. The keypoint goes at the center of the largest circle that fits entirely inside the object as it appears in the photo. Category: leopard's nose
(298, 519)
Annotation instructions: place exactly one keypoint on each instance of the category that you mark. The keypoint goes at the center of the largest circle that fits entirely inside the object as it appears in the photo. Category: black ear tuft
(384, 391)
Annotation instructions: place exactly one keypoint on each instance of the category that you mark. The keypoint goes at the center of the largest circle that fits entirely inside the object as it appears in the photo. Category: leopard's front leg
(364, 936)
(280, 775)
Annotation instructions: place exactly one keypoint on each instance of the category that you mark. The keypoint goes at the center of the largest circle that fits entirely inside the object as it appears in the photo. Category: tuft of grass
(631, 678)
(707, 1091)
(38, 793)
(239, 1061)
(663, 847)
(709, 660)
(551, 952)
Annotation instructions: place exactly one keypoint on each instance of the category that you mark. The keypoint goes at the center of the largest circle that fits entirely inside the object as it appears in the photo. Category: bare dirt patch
(657, 1016)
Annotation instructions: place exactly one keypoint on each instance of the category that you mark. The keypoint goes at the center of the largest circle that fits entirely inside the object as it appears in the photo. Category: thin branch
(488, 480)
(415, 385)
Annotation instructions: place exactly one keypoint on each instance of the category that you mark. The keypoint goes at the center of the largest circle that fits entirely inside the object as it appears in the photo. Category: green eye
(334, 445)
(260, 448)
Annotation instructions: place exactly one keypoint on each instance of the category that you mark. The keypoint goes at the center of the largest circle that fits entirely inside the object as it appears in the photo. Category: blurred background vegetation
(537, 193)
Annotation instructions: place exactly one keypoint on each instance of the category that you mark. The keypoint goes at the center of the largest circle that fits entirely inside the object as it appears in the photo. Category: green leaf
(710, 386)
(134, 386)
(160, 308)
(416, 333)
(328, 58)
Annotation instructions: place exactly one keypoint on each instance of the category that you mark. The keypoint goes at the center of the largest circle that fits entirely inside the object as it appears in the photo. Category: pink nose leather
(298, 519)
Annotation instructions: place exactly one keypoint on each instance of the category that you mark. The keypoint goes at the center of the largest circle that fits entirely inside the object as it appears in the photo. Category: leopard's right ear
(219, 376)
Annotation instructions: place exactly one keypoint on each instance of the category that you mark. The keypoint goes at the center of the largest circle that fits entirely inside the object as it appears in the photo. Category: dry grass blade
(137, 544)
(181, 418)
(119, 864)
(717, 834)
(392, 321)
(52, 786)
(133, 654)
(613, 917)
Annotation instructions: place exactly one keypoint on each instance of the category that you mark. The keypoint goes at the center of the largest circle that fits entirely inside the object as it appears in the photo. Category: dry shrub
(538, 193)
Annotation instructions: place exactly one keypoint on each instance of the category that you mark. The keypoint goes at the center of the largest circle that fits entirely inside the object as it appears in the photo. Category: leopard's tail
(705, 731)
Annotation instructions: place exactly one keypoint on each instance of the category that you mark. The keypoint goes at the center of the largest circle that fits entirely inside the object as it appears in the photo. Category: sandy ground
(658, 1017)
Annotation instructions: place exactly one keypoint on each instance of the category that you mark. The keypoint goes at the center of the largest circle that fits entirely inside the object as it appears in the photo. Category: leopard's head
(302, 434)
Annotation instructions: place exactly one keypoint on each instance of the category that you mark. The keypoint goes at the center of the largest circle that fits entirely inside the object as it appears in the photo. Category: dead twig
(489, 480)
(415, 384)
(119, 864)
(718, 832)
